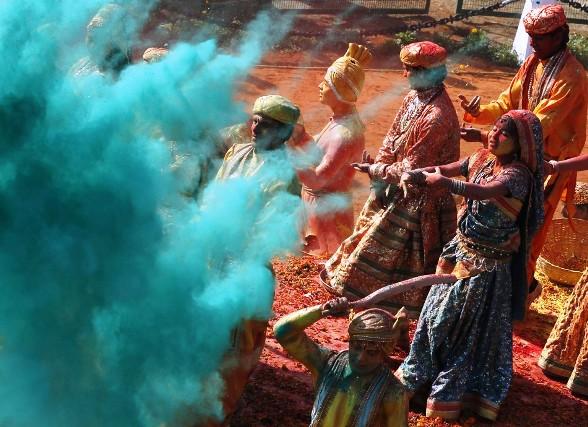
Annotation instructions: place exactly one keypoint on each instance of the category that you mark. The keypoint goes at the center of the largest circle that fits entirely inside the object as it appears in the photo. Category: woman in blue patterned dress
(462, 347)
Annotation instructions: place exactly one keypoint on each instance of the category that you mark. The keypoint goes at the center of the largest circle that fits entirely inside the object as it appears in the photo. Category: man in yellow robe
(553, 85)
(355, 387)
(273, 125)
(273, 120)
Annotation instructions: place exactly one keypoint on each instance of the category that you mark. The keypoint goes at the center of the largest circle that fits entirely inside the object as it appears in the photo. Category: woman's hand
(434, 179)
(415, 177)
(471, 107)
(335, 307)
(551, 167)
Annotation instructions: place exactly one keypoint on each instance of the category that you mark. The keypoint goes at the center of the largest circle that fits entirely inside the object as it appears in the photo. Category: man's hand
(366, 158)
(299, 136)
(472, 107)
(362, 167)
(366, 162)
(336, 307)
(470, 134)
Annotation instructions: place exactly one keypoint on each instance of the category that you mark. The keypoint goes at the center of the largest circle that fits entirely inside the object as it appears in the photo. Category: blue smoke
(118, 293)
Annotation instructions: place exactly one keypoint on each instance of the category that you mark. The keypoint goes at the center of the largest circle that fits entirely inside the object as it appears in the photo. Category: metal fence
(514, 10)
(411, 7)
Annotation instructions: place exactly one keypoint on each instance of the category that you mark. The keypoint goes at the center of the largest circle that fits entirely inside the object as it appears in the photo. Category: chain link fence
(420, 7)
(574, 13)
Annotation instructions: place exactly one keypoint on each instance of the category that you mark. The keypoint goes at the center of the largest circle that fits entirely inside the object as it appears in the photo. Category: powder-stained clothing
(463, 341)
(566, 352)
(241, 160)
(342, 398)
(556, 90)
(244, 160)
(326, 189)
(248, 339)
(397, 238)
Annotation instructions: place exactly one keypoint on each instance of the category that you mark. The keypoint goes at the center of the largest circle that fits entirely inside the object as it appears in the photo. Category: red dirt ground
(280, 392)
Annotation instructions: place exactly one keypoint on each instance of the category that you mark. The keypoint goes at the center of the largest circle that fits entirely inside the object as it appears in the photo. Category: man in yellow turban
(354, 387)
(326, 190)
(552, 84)
(273, 122)
(395, 237)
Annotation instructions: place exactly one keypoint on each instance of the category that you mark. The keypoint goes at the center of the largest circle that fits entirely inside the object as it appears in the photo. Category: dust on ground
(280, 391)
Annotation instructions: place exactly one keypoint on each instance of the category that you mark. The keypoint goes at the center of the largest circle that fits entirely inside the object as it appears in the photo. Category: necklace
(416, 106)
(487, 172)
(551, 69)
(413, 109)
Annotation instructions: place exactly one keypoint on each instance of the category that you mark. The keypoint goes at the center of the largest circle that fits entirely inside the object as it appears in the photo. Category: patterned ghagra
(463, 342)
(566, 352)
(395, 237)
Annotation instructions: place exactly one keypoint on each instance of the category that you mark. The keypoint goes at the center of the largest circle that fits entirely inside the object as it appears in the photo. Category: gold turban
(345, 76)
(545, 19)
(154, 54)
(278, 108)
(424, 54)
(377, 325)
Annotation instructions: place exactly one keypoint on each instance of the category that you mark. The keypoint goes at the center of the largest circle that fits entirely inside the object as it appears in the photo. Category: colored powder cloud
(119, 293)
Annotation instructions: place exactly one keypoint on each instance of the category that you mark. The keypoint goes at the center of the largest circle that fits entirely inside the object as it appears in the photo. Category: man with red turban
(552, 84)
(397, 237)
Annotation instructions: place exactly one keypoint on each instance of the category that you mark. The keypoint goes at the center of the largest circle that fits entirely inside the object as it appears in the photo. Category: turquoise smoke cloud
(118, 293)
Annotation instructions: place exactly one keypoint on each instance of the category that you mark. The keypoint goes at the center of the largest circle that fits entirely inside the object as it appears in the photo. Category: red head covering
(525, 122)
(545, 19)
(532, 215)
(530, 135)
(423, 54)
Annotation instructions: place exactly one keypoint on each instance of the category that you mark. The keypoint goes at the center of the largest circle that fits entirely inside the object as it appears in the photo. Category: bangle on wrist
(457, 187)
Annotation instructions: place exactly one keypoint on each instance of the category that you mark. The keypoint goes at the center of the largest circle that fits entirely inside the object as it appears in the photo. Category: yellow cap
(346, 76)
(278, 108)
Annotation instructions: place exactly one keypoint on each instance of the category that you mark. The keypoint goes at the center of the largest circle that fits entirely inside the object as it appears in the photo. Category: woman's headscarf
(532, 215)
(530, 135)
